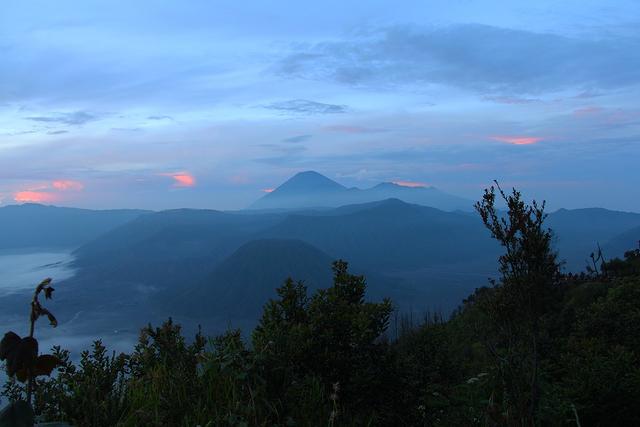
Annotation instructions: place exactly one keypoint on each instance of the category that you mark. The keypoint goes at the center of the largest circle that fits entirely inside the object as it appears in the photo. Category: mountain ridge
(37, 225)
(310, 189)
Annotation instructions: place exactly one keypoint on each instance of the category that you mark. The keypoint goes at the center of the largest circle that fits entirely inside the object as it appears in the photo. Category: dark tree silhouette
(529, 270)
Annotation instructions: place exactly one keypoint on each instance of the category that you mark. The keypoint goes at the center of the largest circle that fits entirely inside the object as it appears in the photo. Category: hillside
(168, 247)
(244, 281)
(579, 231)
(34, 225)
(391, 235)
(621, 243)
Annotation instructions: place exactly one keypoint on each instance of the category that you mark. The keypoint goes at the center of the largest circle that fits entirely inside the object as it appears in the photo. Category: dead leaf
(8, 344)
(24, 356)
(45, 364)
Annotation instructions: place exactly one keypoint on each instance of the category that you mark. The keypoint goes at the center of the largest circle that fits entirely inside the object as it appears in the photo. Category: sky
(210, 104)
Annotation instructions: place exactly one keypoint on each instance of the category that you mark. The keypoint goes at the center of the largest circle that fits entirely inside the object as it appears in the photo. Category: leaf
(45, 364)
(38, 311)
(22, 375)
(8, 344)
(52, 320)
(46, 282)
(23, 357)
(48, 292)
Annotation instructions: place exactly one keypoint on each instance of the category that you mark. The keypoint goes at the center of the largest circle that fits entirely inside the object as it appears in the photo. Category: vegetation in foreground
(537, 347)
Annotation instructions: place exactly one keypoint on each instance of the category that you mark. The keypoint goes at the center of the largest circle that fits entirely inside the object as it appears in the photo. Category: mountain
(579, 231)
(241, 284)
(313, 190)
(392, 235)
(244, 282)
(201, 263)
(35, 225)
(426, 196)
(305, 182)
(169, 247)
(621, 243)
(418, 256)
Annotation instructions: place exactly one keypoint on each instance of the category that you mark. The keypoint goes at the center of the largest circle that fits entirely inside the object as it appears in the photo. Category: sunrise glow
(410, 184)
(34, 197)
(182, 179)
(65, 184)
(517, 140)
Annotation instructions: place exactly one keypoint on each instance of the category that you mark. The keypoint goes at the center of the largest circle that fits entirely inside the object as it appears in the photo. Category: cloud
(410, 184)
(268, 190)
(517, 140)
(73, 119)
(126, 129)
(483, 58)
(587, 111)
(24, 132)
(353, 129)
(47, 192)
(181, 179)
(297, 139)
(303, 106)
(57, 132)
(159, 118)
(511, 100)
(34, 197)
(67, 184)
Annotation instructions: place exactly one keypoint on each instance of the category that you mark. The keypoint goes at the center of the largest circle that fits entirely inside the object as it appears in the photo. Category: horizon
(410, 186)
(162, 106)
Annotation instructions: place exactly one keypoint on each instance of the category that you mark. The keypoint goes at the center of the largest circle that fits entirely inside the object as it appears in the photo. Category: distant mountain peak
(311, 189)
(309, 173)
(308, 181)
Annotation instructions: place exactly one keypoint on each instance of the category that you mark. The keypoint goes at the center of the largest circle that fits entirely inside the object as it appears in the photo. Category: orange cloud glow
(65, 184)
(410, 184)
(517, 140)
(34, 197)
(182, 179)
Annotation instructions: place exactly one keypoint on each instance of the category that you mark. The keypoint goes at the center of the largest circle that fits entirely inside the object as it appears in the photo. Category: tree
(333, 336)
(529, 272)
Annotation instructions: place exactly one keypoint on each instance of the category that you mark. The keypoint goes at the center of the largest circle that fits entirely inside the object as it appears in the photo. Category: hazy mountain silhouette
(35, 225)
(391, 234)
(621, 243)
(243, 282)
(311, 189)
(180, 247)
(419, 256)
(240, 285)
(170, 247)
(578, 232)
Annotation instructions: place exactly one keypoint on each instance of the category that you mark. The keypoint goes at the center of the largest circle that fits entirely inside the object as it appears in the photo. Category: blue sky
(161, 104)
